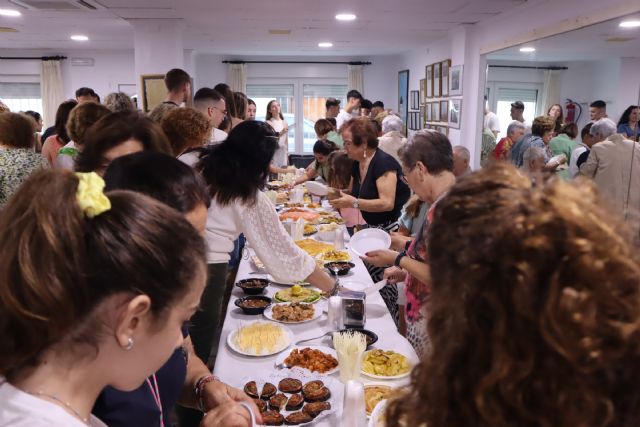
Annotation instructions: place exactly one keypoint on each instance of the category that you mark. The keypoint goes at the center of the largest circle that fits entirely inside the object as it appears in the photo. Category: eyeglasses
(403, 175)
(222, 111)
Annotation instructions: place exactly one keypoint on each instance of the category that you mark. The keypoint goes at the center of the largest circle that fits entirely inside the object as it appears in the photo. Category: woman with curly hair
(536, 323)
(186, 129)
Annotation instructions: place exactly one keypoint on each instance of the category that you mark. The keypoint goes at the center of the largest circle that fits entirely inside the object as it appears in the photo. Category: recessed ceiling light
(79, 38)
(9, 12)
(630, 24)
(325, 44)
(345, 17)
(527, 49)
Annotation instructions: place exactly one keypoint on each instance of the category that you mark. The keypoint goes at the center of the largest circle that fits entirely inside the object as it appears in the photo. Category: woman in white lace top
(235, 172)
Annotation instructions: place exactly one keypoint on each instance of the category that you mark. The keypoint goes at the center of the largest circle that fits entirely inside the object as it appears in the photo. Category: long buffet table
(235, 368)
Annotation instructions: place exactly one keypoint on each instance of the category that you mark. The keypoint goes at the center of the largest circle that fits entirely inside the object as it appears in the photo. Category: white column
(158, 46)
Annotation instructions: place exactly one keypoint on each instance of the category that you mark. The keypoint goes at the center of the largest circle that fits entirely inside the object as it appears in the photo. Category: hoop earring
(129, 345)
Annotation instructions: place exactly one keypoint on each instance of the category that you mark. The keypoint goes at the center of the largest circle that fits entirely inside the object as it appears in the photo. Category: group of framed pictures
(436, 110)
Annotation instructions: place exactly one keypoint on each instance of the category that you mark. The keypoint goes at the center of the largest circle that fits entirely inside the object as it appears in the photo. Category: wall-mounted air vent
(58, 5)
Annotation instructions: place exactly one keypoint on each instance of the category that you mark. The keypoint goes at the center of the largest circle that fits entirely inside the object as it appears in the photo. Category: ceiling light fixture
(9, 12)
(325, 44)
(79, 38)
(527, 49)
(630, 24)
(345, 17)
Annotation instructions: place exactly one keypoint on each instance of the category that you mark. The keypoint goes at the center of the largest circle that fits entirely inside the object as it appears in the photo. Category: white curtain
(237, 77)
(356, 80)
(550, 91)
(52, 90)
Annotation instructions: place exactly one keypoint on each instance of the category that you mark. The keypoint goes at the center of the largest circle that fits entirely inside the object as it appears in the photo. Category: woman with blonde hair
(534, 310)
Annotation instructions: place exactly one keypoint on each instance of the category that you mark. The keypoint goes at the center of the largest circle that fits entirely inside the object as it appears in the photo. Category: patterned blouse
(16, 164)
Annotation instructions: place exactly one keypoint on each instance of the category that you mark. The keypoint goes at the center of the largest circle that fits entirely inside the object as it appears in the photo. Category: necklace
(66, 405)
(155, 392)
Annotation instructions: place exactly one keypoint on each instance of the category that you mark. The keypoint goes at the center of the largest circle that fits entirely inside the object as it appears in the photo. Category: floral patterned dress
(417, 292)
(16, 164)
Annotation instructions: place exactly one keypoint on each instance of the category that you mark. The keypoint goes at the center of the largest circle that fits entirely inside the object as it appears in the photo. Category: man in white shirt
(212, 104)
(517, 111)
(491, 121)
(583, 146)
(597, 110)
(354, 98)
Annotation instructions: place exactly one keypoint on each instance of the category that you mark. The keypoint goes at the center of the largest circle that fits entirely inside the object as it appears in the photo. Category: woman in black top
(375, 188)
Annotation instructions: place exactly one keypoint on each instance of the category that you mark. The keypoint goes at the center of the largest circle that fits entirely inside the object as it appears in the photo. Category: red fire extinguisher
(574, 111)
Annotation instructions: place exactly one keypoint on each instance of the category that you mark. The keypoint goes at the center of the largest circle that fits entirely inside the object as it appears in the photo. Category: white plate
(285, 344)
(317, 312)
(335, 386)
(356, 285)
(377, 415)
(369, 239)
(316, 188)
(382, 377)
(324, 349)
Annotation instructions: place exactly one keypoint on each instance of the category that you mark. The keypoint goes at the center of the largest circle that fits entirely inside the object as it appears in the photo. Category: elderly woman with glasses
(427, 166)
(375, 188)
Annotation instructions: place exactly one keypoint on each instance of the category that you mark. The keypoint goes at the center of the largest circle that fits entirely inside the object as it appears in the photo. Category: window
(314, 108)
(298, 97)
(262, 94)
(21, 96)
(506, 96)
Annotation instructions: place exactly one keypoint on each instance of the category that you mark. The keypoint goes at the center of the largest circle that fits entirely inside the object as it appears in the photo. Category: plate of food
(294, 397)
(329, 219)
(385, 365)
(377, 417)
(309, 230)
(376, 393)
(313, 247)
(292, 312)
(260, 339)
(317, 359)
(333, 255)
(297, 213)
(369, 239)
(297, 293)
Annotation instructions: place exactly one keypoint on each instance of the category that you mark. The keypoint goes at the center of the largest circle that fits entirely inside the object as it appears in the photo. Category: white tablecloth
(232, 367)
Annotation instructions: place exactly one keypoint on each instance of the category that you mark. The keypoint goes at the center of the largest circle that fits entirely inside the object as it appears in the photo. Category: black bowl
(241, 302)
(345, 267)
(253, 286)
(371, 336)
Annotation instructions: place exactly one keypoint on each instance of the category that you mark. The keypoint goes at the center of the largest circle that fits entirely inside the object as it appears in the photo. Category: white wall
(110, 69)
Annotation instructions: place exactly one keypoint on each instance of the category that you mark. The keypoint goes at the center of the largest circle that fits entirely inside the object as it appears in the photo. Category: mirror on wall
(573, 69)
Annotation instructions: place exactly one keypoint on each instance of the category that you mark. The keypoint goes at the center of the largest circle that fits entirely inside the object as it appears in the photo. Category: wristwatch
(399, 258)
(356, 204)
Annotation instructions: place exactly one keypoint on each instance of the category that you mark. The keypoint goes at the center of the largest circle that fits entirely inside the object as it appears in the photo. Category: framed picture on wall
(153, 91)
(455, 81)
(446, 66)
(423, 115)
(444, 111)
(435, 112)
(403, 94)
(429, 81)
(415, 100)
(437, 89)
(423, 91)
(455, 112)
(443, 130)
(427, 112)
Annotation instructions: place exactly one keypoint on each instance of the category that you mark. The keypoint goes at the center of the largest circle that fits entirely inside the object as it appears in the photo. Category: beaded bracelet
(199, 388)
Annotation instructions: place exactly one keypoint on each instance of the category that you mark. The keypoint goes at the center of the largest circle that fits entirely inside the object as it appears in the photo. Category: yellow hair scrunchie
(90, 196)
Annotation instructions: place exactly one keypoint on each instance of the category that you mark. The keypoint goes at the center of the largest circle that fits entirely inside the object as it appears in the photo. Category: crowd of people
(517, 284)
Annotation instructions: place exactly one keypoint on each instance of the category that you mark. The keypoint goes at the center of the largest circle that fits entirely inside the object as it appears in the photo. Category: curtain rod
(34, 58)
(528, 67)
(298, 62)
